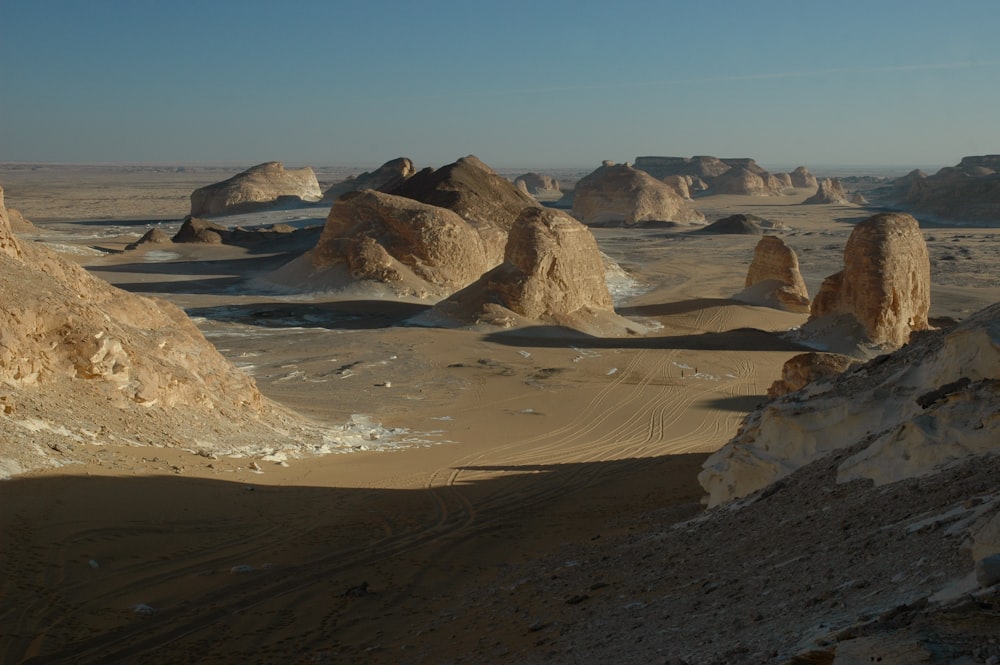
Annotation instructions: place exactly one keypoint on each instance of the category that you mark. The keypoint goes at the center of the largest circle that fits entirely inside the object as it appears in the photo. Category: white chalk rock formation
(883, 292)
(774, 279)
(385, 178)
(538, 185)
(259, 187)
(830, 190)
(911, 412)
(802, 177)
(620, 194)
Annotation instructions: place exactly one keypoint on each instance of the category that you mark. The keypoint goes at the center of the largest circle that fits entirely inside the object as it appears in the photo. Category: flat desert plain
(494, 457)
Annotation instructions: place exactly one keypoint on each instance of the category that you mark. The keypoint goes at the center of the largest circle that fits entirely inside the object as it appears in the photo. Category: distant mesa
(713, 175)
(543, 187)
(552, 273)
(883, 293)
(904, 415)
(617, 194)
(261, 187)
(969, 191)
(774, 279)
(830, 190)
(385, 178)
(805, 368)
(738, 224)
(391, 244)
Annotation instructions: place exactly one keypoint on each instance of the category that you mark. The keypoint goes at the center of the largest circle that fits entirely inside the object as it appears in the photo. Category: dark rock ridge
(260, 187)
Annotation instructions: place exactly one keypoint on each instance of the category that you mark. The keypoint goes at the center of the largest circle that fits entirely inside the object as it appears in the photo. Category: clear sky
(540, 83)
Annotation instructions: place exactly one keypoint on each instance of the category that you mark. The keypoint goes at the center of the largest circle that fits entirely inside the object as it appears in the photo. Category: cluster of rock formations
(969, 191)
(258, 188)
(774, 279)
(538, 185)
(830, 190)
(618, 194)
(75, 351)
(883, 293)
(712, 175)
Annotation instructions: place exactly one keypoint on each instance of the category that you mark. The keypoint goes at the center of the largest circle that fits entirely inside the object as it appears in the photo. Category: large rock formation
(552, 272)
(731, 175)
(774, 279)
(538, 185)
(905, 414)
(802, 178)
(745, 182)
(620, 194)
(84, 362)
(883, 292)
(259, 187)
(385, 178)
(830, 191)
(969, 191)
(407, 247)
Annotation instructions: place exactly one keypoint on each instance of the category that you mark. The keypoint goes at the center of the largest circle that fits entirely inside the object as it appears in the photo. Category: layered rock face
(885, 285)
(907, 414)
(387, 238)
(620, 194)
(830, 191)
(537, 184)
(805, 368)
(84, 361)
(969, 191)
(773, 278)
(385, 178)
(259, 187)
(552, 272)
(801, 177)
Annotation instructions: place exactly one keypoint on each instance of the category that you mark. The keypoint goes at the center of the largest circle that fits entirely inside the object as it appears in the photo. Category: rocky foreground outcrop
(969, 191)
(258, 188)
(830, 190)
(82, 362)
(909, 413)
(552, 272)
(883, 293)
(617, 194)
(392, 243)
(774, 279)
(385, 178)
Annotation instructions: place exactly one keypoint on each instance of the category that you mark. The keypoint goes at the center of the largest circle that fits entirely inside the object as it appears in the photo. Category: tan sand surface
(518, 444)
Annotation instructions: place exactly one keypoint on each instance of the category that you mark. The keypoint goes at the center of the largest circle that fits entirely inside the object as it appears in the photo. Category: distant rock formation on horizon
(538, 185)
(385, 178)
(552, 273)
(620, 194)
(732, 175)
(969, 191)
(883, 293)
(802, 178)
(260, 187)
(774, 279)
(830, 190)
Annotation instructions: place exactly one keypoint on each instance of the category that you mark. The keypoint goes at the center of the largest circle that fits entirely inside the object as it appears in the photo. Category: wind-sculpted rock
(830, 191)
(773, 278)
(258, 188)
(883, 292)
(801, 177)
(620, 194)
(385, 178)
(538, 185)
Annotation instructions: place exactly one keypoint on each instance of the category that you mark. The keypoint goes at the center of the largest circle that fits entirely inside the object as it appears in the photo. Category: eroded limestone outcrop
(258, 188)
(774, 279)
(385, 178)
(969, 191)
(538, 185)
(830, 190)
(619, 194)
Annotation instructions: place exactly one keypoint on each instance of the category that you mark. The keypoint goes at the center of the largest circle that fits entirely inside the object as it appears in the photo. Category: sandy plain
(505, 448)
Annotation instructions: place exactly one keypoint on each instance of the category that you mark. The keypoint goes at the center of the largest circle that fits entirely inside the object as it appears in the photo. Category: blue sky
(534, 84)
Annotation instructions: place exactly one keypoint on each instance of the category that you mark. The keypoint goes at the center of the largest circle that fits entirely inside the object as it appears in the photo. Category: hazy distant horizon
(558, 84)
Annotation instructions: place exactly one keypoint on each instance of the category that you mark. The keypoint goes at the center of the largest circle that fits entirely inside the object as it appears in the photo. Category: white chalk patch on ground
(78, 250)
(160, 256)
(611, 371)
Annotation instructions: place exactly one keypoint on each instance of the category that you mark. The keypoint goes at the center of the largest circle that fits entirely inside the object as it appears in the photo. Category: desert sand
(504, 457)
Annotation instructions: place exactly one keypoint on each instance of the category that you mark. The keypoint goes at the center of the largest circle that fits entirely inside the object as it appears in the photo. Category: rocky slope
(259, 187)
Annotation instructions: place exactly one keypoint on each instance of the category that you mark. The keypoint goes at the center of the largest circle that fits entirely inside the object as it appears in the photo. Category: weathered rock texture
(552, 272)
(395, 240)
(732, 175)
(385, 178)
(259, 187)
(620, 194)
(969, 191)
(830, 191)
(801, 177)
(773, 278)
(82, 361)
(930, 403)
(539, 185)
(884, 287)
(801, 370)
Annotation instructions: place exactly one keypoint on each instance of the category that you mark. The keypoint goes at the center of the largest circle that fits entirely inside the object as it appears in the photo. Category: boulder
(197, 230)
(773, 278)
(805, 368)
(620, 194)
(260, 187)
(801, 177)
(385, 178)
(883, 292)
(830, 191)
(538, 185)
(904, 415)
(553, 272)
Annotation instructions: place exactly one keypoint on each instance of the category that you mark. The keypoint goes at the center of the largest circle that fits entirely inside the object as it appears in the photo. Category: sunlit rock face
(618, 193)
(259, 187)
